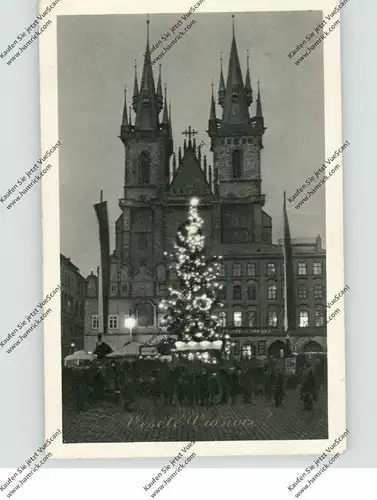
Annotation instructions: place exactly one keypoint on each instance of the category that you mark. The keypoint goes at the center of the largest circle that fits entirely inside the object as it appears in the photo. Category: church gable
(189, 179)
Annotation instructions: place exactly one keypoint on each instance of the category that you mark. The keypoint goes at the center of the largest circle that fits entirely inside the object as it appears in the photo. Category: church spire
(235, 108)
(249, 91)
(165, 118)
(170, 127)
(125, 117)
(212, 122)
(147, 105)
(159, 91)
(221, 93)
(135, 96)
(259, 114)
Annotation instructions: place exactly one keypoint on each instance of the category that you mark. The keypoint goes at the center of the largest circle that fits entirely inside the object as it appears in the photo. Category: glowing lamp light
(194, 202)
(129, 322)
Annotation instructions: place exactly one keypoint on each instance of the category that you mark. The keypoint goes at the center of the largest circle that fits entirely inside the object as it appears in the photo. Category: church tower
(148, 147)
(148, 142)
(236, 143)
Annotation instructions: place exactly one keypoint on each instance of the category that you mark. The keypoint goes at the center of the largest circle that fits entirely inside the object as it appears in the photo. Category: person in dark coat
(279, 388)
(233, 382)
(168, 385)
(212, 388)
(224, 385)
(102, 349)
(270, 383)
(181, 386)
(127, 392)
(247, 385)
(308, 392)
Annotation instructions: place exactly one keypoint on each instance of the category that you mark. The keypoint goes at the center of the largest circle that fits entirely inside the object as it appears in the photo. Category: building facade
(72, 306)
(158, 185)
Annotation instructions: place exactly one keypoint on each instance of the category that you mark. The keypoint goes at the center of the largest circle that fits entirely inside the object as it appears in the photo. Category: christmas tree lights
(190, 309)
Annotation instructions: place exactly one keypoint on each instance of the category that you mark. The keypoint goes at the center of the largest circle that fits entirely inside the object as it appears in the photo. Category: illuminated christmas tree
(190, 309)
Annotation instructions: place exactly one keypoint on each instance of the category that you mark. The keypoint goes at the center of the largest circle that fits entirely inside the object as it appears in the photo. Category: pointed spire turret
(212, 114)
(205, 167)
(170, 126)
(147, 104)
(135, 96)
(249, 90)
(221, 93)
(165, 117)
(130, 120)
(126, 125)
(125, 117)
(212, 122)
(259, 114)
(235, 108)
(159, 92)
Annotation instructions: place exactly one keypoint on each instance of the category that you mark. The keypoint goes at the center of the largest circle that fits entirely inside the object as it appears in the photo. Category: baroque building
(72, 306)
(158, 185)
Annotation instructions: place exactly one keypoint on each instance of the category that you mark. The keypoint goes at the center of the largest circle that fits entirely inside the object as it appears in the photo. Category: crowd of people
(195, 383)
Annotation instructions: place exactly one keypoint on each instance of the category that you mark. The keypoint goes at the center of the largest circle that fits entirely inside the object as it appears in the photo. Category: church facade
(158, 185)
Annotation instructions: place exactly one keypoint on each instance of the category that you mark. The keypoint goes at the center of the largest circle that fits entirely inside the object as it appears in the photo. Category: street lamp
(73, 347)
(129, 323)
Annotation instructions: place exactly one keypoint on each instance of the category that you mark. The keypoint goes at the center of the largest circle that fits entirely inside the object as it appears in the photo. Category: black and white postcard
(193, 227)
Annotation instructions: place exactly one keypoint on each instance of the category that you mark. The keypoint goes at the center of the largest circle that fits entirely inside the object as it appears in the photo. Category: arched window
(160, 272)
(237, 292)
(302, 292)
(237, 164)
(237, 318)
(271, 292)
(145, 314)
(320, 317)
(144, 168)
(251, 292)
(252, 319)
(304, 319)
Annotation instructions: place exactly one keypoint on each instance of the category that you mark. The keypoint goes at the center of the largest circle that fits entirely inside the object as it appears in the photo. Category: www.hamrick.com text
(28, 36)
(318, 179)
(29, 467)
(28, 324)
(28, 179)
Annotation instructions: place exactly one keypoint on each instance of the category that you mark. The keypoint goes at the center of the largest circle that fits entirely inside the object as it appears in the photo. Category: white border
(51, 238)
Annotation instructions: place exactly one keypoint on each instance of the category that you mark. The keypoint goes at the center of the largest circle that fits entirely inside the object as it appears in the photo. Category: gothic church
(158, 185)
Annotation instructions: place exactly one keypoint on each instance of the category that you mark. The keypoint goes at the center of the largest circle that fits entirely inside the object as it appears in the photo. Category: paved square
(259, 420)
